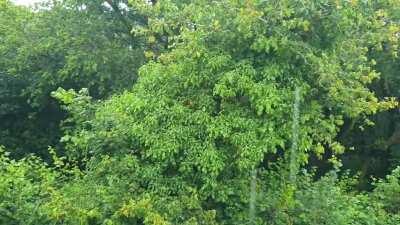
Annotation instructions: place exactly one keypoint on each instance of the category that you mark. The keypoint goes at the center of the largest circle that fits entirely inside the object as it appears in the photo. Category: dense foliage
(67, 46)
(246, 112)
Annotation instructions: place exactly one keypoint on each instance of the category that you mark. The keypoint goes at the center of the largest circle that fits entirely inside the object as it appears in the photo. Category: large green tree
(221, 103)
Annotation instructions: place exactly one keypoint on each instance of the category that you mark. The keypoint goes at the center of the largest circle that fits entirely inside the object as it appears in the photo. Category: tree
(220, 103)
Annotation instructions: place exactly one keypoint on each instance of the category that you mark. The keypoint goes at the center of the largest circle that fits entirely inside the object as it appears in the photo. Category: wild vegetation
(167, 112)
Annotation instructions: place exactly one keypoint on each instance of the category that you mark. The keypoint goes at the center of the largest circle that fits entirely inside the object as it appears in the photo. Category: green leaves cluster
(121, 190)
